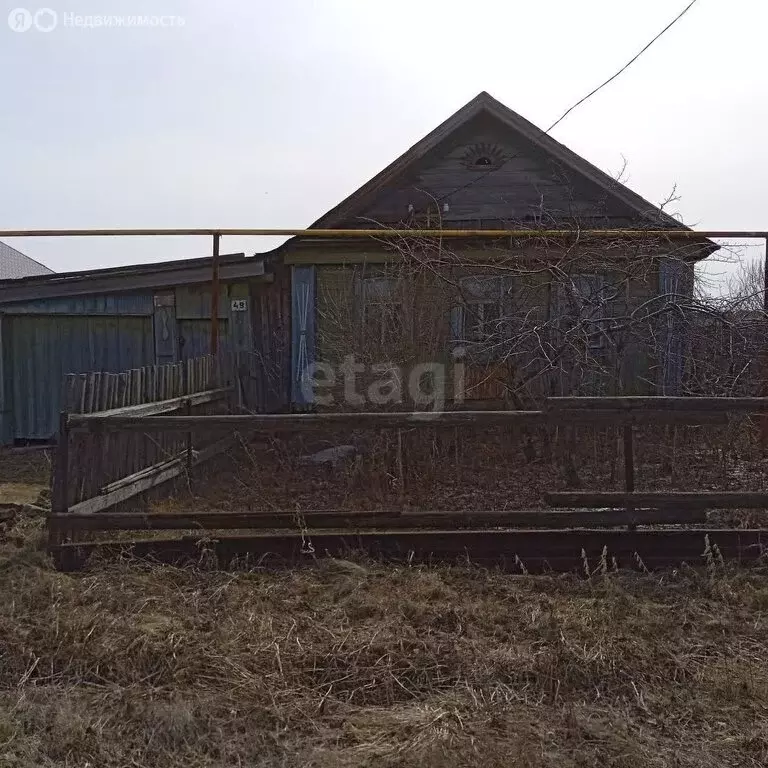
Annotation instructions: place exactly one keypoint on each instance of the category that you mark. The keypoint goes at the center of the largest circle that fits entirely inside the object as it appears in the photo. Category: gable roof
(14, 264)
(355, 204)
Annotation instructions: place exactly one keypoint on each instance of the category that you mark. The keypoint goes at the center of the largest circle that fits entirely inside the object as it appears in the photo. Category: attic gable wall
(528, 187)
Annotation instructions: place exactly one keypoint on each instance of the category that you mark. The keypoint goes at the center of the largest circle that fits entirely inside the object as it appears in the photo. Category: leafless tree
(530, 319)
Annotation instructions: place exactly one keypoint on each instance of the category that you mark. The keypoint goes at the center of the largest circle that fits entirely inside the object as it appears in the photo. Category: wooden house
(501, 304)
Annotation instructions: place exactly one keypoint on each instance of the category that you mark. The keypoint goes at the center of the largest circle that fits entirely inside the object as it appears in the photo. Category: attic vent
(483, 157)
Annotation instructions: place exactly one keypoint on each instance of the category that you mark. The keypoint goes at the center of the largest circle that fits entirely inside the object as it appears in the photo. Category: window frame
(598, 284)
(386, 308)
(477, 293)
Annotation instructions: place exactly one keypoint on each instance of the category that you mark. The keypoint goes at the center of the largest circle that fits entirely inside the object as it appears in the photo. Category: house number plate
(239, 305)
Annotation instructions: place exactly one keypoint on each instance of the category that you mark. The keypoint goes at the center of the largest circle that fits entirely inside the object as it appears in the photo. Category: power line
(581, 101)
(624, 68)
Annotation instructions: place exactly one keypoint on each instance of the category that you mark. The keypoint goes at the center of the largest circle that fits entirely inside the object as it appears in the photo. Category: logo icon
(46, 19)
(20, 19)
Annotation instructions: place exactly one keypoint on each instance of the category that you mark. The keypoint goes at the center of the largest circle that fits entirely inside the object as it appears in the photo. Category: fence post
(215, 283)
(60, 494)
(764, 385)
(629, 467)
(189, 439)
(401, 466)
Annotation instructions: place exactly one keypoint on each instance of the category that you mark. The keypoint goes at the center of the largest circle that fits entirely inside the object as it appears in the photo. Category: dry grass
(355, 664)
(19, 493)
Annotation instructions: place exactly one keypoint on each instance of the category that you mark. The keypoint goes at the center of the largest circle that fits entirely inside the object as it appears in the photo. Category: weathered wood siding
(426, 309)
(527, 186)
(271, 364)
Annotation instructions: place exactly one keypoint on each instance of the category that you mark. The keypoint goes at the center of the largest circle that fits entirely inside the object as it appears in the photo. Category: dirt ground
(356, 664)
(24, 476)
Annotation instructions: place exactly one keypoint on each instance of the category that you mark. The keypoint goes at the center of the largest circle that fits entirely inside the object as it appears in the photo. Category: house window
(381, 310)
(481, 313)
(483, 156)
(585, 303)
(481, 320)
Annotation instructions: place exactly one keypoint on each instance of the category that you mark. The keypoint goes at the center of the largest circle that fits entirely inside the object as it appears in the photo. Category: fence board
(107, 500)
(607, 404)
(151, 409)
(301, 421)
(703, 499)
(312, 521)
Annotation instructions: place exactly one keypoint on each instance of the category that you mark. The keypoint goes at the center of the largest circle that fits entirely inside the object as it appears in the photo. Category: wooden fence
(627, 508)
(98, 469)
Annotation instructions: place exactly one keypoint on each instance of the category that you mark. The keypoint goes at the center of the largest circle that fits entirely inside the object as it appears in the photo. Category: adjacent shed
(115, 319)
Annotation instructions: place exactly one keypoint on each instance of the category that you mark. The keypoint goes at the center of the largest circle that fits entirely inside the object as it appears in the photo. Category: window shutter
(303, 332)
(457, 323)
(672, 339)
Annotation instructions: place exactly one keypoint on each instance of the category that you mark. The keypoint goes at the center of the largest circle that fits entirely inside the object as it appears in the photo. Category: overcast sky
(266, 114)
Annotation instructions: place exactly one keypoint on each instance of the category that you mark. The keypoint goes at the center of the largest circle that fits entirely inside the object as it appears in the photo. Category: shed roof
(131, 278)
